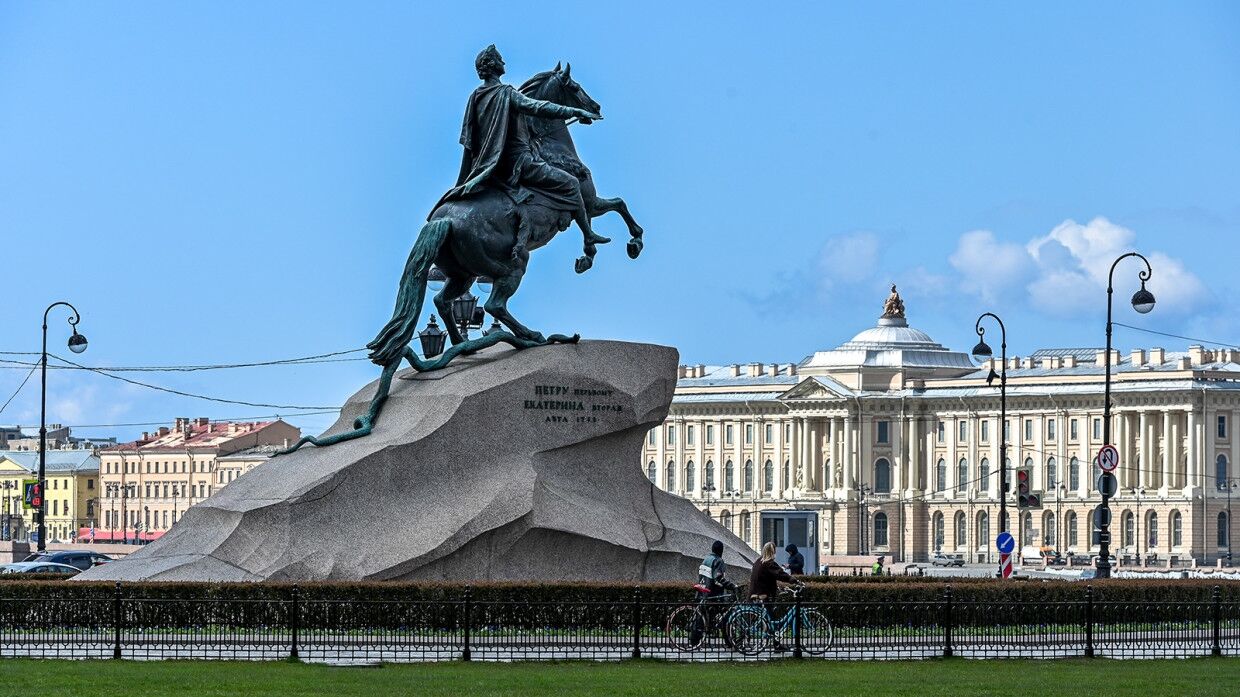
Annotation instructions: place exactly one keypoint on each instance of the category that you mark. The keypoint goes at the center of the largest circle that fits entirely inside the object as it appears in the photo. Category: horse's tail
(395, 336)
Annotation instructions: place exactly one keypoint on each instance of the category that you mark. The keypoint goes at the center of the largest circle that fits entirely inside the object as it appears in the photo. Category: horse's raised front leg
(452, 289)
(497, 305)
(599, 206)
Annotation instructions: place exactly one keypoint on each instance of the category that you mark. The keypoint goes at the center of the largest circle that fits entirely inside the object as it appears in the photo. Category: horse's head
(558, 86)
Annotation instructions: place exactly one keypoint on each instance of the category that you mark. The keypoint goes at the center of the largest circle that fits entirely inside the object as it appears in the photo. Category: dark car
(75, 558)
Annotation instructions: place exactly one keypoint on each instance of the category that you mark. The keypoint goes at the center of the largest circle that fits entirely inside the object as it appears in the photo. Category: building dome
(892, 343)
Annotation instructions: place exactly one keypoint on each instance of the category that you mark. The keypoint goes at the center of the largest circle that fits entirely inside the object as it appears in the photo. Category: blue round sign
(1005, 542)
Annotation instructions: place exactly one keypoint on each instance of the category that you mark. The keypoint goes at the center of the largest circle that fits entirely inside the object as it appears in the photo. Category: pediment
(817, 388)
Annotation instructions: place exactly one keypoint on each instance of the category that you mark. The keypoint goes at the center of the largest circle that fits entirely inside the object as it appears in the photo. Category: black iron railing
(124, 625)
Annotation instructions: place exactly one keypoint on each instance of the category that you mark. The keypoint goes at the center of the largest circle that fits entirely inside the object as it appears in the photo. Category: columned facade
(893, 441)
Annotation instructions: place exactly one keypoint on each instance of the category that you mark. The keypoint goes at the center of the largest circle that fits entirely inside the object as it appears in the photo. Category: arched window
(729, 476)
(962, 474)
(651, 470)
(1051, 477)
(690, 477)
(725, 519)
(1049, 536)
(880, 529)
(1074, 474)
(746, 527)
(1130, 535)
(1070, 519)
(1027, 528)
(748, 476)
(1224, 531)
(710, 475)
(1220, 472)
(983, 527)
(983, 475)
(882, 476)
(962, 530)
(768, 477)
(1151, 530)
(940, 475)
(671, 475)
(937, 542)
(1177, 529)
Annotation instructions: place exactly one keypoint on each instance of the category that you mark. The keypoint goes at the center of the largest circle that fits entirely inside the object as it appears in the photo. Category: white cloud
(849, 258)
(988, 266)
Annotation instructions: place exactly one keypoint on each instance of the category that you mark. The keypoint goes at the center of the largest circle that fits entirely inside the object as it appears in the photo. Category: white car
(39, 567)
(941, 559)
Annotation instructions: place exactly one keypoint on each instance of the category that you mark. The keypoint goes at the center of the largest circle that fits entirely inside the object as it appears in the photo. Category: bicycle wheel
(749, 631)
(686, 628)
(816, 632)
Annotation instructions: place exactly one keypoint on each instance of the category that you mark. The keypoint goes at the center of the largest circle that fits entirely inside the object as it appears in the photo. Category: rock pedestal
(507, 465)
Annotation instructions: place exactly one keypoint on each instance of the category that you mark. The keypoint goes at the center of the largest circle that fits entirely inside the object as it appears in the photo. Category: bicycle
(689, 625)
(752, 629)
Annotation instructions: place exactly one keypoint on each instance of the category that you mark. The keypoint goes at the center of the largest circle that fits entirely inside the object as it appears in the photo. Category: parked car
(941, 559)
(82, 560)
(39, 567)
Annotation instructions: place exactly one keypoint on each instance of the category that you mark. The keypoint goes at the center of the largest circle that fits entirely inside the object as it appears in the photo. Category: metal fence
(148, 628)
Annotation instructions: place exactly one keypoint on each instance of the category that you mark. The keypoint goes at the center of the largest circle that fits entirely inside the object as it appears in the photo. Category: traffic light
(1025, 496)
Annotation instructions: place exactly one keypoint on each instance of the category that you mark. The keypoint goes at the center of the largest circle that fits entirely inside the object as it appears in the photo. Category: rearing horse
(487, 235)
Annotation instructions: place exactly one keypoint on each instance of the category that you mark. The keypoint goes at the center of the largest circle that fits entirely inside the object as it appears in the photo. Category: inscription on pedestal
(570, 404)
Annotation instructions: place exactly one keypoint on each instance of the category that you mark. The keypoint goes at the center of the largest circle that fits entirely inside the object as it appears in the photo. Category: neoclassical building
(889, 444)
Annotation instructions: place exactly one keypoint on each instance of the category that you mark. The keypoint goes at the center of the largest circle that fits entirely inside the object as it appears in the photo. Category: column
(951, 433)
(1234, 457)
(846, 459)
(914, 454)
(1146, 462)
(899, 456)
(1193, 476)
(996, 440)
(813, 442)
(865, 457)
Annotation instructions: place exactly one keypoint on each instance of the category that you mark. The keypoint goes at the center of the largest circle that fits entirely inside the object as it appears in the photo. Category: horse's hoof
(583, 264)
(634, 247)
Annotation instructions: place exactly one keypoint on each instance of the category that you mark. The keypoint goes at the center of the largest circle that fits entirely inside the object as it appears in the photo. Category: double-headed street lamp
(77, 344)
(1229, 485)
(707, 490)
(1142, 302)
(983, 352)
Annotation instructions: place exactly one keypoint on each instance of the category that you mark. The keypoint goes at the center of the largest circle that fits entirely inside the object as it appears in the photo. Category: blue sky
(225, 182)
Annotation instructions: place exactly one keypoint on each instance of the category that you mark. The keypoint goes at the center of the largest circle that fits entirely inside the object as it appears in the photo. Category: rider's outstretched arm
(542, 109)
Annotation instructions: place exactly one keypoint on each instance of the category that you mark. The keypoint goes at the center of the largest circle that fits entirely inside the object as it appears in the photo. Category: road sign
(1005, 563)
(1102, 517)
(1107, 484)
(1108, 458)
(1005, 543)
(1104, 536)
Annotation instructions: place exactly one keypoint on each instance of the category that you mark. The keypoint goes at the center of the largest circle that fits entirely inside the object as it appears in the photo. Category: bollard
(468, 612)
(798, 620)
(1217, 622)
(947, 622)
(1089, 621)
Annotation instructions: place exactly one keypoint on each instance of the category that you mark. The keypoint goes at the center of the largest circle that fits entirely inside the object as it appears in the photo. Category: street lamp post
(862, 523)
(1229, 484)
(1136, 543)
(1142, 302)
(1060, 539)
(77, 344)
(983, 352)
(706, 492)
(6, 486)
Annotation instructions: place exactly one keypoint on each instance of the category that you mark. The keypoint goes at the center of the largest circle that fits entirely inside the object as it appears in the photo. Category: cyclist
(796, 560)
(711, 572)
(764, 580)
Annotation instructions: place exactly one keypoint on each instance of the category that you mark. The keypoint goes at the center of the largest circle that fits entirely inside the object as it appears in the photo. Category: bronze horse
(479, 237)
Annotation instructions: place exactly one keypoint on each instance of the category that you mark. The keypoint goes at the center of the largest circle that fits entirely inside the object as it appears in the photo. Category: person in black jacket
(764, 581)
(711, 572)
(796, 560)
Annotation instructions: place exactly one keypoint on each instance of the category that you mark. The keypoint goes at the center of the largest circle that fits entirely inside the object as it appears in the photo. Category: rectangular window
(671, 435)
(787, 433)
(884, 431)
(1097, 428)
(1050, 429)
(985, 434)
(1028, 429)
(1073, 433)
(1007, 431)
(748, 434)
(689, 435)
(963, 428)
(1222, 426)
(90, 484)
(727, 434)
(769, 434)
(710, 434)
(942, 431)
(650, 437)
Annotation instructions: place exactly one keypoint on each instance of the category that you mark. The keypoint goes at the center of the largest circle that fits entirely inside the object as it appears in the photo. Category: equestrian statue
(521, 183)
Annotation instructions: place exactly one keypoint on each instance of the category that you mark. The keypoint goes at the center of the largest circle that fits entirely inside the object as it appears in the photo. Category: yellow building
(72, 493)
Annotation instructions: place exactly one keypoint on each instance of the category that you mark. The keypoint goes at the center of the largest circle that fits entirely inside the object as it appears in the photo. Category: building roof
(258, 452)
(62, 461)
(192, 434)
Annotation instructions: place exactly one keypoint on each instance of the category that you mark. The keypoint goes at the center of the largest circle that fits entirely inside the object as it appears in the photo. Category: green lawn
(955, 677)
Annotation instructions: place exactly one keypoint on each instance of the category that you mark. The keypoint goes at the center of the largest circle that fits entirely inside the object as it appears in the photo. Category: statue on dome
(894, 306)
